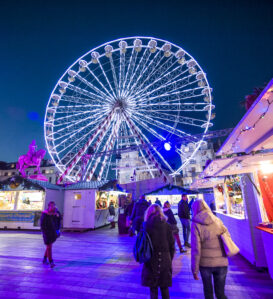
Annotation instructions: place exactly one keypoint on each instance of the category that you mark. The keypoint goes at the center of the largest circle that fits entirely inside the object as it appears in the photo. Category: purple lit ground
(99, 264)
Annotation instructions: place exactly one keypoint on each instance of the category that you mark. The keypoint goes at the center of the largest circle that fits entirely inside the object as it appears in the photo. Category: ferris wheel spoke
(73, 128)
(101, 84)
(170, 107)
(98, 91)
(78, 100)
(140, 69)
(74, 122)
(133, 74)
(59, 120)
(172, 96)
(89, 94)
(152, 66)
(121, 71)
(152, 146)
(131, 67)
(168, 64)
(166, 127)
(114, 74)
(106, 78)
(98, 146)
(176, 118)
(105, 146)
(71, 136)
(170, 80)
(109, 146)
(103, 125)
(149, 129)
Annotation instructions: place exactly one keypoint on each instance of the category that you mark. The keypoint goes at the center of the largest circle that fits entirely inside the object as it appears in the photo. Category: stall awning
(255, 130)
(171, 190)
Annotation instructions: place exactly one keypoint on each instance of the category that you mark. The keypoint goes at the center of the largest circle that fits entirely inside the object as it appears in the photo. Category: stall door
(77, 209)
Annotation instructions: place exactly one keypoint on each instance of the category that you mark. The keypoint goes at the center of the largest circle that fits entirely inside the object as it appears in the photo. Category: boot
(113, 224)
(52, 265)
(45, 262)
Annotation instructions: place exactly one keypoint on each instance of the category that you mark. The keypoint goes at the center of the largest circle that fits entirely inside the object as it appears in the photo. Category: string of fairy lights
(246, 129)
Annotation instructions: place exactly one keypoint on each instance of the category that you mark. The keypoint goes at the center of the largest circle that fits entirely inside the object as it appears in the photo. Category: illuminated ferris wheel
(135, 93)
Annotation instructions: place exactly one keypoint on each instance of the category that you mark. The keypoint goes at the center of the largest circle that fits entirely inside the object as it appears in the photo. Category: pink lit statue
(32, 158)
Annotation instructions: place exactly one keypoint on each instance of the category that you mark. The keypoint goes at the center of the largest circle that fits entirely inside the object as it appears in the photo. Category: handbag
(230, 247)
(143, 249)
(111, 218)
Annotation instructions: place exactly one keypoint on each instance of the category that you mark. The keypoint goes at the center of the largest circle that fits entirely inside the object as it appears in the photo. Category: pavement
(100, 264)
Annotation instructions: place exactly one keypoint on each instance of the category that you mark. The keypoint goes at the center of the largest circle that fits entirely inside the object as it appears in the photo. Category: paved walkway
(99, 264)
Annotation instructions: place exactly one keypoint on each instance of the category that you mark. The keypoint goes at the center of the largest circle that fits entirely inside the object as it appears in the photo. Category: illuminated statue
(32, 158)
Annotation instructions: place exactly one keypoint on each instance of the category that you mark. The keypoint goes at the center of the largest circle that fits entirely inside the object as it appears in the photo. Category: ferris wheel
(135, 93)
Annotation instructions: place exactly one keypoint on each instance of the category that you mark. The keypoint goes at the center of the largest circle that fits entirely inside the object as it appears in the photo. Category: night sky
(231, 40)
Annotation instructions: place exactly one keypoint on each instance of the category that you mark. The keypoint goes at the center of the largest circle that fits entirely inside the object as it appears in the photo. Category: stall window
(30, 200)
(102, 200)
(220, 199)
(235, 201)
(7, 200)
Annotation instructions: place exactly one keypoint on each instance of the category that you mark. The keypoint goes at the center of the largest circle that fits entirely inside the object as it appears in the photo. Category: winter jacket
(183, 209)
(139, 209)
(169, 213)
(206, 244)
(157, 272)
(50, 223)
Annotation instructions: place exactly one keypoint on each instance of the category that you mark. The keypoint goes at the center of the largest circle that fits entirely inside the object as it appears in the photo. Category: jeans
(219, 275)
(186, 226)
(164, 293)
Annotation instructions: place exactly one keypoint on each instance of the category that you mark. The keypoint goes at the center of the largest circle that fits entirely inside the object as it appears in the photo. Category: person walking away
(184, 215)
(128, 212)
(207, 253)
(138, 212)
(157, 272)
(50, 226)
(112, 214)
(158, 202)
(173, 223)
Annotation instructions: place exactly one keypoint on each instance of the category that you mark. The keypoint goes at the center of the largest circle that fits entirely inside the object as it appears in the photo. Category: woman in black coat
(157, 272)
(50, 226)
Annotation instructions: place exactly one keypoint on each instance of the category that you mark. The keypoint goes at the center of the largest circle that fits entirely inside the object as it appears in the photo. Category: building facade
(48, 169)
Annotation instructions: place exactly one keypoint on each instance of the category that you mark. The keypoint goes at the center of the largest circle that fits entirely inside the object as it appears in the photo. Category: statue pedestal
(39, 177)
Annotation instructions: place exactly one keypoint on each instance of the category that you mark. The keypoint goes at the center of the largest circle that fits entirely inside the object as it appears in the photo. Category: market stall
(244, 200)
(170, 193)
(22, 201)
(86, 204)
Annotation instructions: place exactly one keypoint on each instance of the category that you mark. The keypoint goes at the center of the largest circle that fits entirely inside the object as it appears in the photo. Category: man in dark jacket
(138, 212)
(184, 215)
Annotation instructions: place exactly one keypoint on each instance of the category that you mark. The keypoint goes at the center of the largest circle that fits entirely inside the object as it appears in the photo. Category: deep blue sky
(231, 40)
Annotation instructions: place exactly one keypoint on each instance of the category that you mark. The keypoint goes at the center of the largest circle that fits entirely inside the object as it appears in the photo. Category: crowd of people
(207, 255)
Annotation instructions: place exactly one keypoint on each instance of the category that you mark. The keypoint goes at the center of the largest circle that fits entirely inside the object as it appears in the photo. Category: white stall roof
(86, 185)
(255, 130)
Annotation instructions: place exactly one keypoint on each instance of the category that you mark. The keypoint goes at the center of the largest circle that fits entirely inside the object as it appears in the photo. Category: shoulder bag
(143, 249)
(230, 247)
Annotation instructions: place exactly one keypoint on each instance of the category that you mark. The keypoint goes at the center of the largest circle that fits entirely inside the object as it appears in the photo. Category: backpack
(143, 249)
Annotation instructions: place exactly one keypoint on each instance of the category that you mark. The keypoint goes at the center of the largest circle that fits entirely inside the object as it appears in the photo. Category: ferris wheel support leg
(151, 156)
